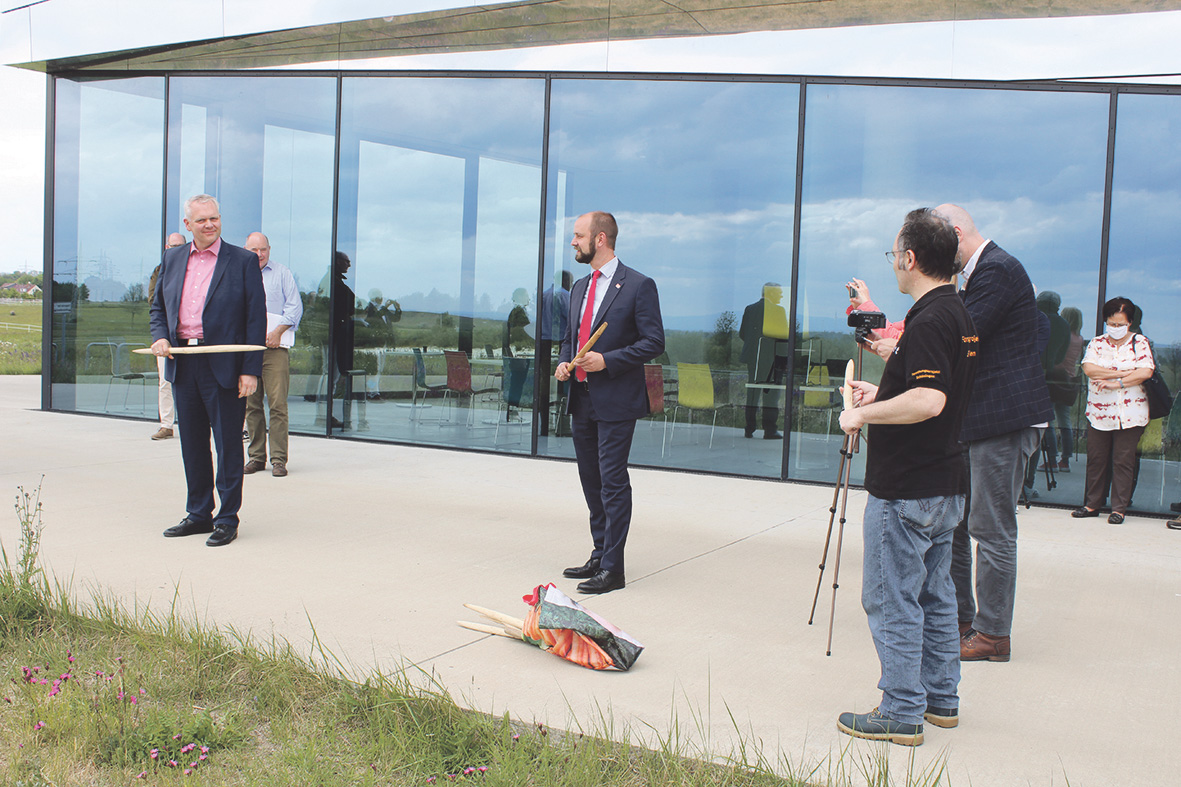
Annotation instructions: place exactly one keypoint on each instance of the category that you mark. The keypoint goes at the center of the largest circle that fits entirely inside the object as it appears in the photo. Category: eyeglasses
(893, 255)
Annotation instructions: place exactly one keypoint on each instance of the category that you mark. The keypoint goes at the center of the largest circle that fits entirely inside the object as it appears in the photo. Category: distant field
(20, 349)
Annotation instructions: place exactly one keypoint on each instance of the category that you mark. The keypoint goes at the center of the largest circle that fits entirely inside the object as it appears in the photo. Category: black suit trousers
(204, 407)
(602, 449)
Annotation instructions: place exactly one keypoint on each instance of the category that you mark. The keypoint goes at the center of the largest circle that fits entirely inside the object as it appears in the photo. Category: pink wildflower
(39, 725)
(483, 769)
(204, 749)
(188, 771)
(154, 753)
(133, 700)
(142, 775)
(172, 763)
(176, 737)
(202, 757)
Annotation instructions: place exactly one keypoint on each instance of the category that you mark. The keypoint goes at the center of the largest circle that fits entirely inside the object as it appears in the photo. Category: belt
(194, 342)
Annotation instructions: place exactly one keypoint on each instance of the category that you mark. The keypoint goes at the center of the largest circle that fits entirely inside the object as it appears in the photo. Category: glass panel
(700, 177)
(1142, 265)
(1028, 166)
(436, 293)
(109, 157)
(265, 148)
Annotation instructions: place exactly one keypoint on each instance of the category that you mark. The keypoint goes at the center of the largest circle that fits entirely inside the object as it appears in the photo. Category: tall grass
(104, 694)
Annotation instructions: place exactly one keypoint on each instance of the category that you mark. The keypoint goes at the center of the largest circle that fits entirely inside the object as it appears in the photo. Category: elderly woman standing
(1116, 364)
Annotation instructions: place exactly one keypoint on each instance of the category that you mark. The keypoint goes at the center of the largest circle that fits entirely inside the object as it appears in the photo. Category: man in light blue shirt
(284, 309)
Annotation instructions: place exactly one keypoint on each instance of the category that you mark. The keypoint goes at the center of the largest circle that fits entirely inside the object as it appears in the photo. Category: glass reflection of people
(1062, 380)
(167, 406)
(343, 330)
(763, 331)
(516, 327)
(555, 308)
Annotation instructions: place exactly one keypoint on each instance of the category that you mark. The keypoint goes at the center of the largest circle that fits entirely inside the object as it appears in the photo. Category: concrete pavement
(379, 546)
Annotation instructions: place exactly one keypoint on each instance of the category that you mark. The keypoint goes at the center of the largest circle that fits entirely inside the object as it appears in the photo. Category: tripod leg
(836, 568)
(832, 512)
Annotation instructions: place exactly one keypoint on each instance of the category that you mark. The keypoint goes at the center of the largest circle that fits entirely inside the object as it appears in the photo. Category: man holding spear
(615, 310)
(209, 297)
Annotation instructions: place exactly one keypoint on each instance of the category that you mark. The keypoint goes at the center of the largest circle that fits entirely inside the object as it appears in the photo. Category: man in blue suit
(607, 393)
(1009, 407)
(209, 293)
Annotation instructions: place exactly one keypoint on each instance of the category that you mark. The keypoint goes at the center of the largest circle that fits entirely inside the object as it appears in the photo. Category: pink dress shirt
(198, 274)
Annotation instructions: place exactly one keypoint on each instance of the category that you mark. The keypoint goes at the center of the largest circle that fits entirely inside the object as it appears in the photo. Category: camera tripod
(849, 447)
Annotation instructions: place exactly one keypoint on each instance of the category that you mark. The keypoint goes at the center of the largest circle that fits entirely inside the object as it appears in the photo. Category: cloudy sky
(1134, 44)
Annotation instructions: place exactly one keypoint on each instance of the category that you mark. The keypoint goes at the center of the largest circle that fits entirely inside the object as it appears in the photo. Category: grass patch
(20, 349)
(107, 695)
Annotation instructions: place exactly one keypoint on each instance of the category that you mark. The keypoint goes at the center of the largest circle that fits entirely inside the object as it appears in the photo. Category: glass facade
(427, 219)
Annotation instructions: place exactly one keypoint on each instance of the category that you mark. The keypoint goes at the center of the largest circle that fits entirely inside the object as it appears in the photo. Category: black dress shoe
(222, 536)
(603, 582)
(1082, 512)
(188, 527)
(585, 571)
(772, 436)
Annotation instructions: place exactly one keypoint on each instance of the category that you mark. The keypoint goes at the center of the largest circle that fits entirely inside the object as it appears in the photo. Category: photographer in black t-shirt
(916, 479)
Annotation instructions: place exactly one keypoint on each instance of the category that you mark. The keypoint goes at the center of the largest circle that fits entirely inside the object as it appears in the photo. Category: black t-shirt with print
(938, 350)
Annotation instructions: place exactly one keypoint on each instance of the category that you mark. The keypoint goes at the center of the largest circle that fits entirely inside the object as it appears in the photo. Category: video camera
(863, 322)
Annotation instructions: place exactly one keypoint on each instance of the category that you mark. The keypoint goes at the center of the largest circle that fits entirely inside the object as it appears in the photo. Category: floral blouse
(1121, 408)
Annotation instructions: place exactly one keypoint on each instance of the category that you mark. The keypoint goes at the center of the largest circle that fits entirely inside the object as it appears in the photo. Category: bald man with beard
(1007, 412)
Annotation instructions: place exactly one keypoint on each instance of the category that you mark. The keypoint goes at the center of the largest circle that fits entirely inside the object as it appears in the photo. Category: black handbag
(1160, 401)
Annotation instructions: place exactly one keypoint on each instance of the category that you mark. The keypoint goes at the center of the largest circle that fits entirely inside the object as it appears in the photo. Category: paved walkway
(379, 546)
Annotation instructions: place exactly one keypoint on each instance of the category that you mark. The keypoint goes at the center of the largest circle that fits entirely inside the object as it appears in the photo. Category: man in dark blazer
(607, 389)
(208, 293)
(1007, 412)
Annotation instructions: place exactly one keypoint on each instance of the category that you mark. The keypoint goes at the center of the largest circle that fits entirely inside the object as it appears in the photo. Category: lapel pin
(617, 286)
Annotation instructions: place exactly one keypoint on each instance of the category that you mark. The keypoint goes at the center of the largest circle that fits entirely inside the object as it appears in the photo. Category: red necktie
(584, 328)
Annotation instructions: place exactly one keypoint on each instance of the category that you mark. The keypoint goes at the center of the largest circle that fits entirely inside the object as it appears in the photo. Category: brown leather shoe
(163, 433)
(965, 627)
(977, 646)
(278, 469)
(253, 466)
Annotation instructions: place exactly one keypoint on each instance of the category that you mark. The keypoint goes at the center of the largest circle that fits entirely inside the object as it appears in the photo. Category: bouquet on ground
(558, 624)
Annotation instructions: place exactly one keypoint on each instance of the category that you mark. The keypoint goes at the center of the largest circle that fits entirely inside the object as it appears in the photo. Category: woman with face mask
(1116, 364)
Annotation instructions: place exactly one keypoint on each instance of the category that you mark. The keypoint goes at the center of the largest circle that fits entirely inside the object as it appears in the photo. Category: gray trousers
(997, 467)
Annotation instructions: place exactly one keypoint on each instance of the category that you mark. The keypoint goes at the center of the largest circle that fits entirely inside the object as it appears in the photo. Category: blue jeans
(909, 598)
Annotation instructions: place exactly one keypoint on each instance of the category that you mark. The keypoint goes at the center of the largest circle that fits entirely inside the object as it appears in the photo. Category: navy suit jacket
(235, 310)
(634, 336)
(1010, 391)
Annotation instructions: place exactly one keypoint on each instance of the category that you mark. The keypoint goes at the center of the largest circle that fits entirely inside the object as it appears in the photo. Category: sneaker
(942, 717)
(1174, 523)
(1064, 466)
(163, 433)
(876, 727)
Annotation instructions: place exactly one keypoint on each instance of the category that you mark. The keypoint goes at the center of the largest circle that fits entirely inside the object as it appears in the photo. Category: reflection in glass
(700, 176)
(108, 159)
(439, 215)
(1142, 265)
(1029, 166)
(265, 147)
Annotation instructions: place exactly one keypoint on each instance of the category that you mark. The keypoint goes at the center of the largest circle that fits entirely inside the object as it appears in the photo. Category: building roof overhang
(534, 23)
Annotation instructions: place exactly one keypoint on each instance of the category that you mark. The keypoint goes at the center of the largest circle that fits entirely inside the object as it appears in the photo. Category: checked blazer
(1010, 391)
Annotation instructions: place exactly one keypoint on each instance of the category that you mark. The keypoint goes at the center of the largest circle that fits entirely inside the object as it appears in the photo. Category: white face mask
(1116, 332)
